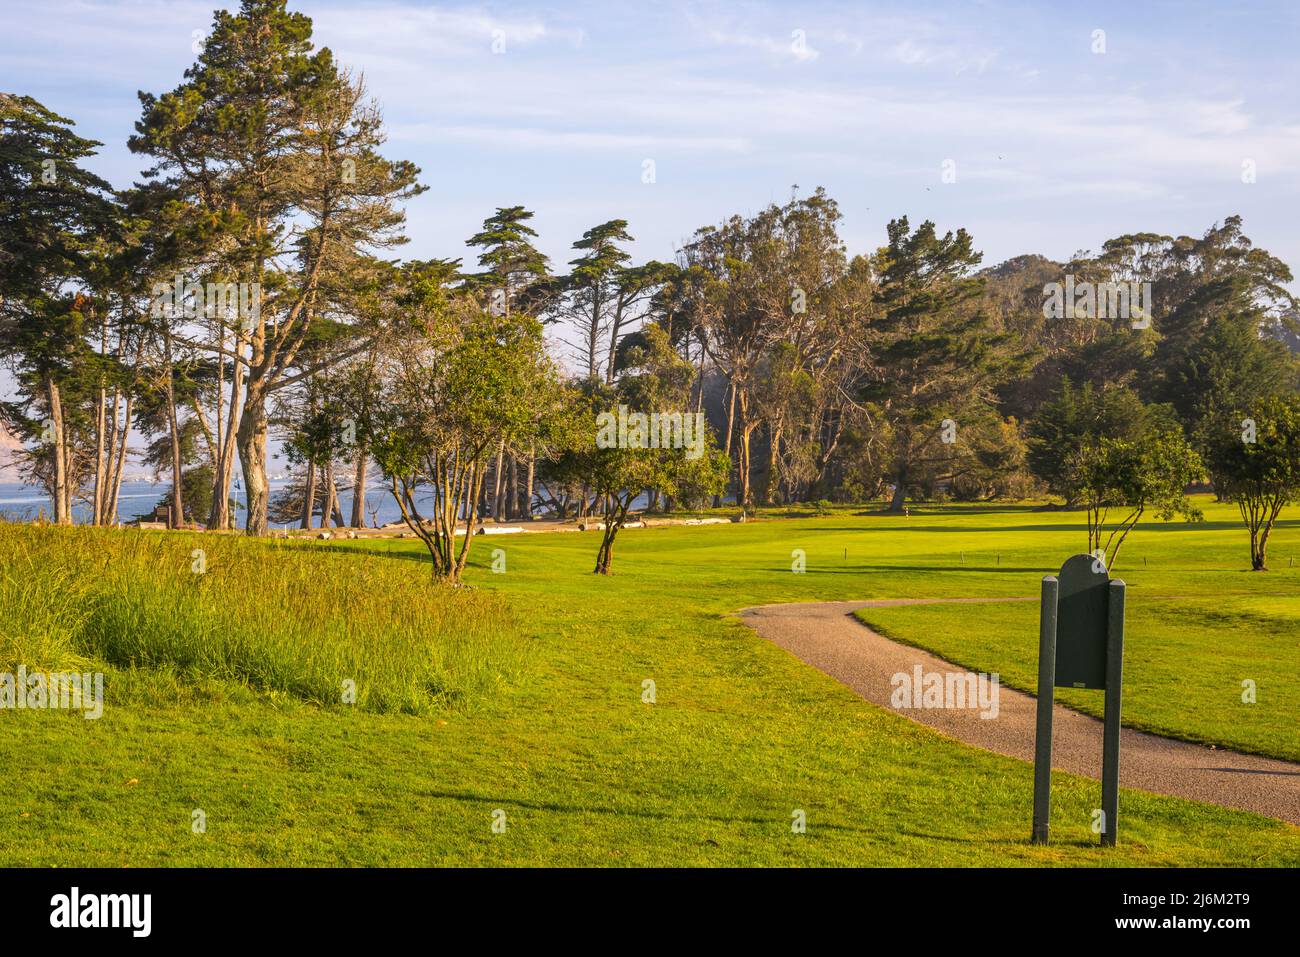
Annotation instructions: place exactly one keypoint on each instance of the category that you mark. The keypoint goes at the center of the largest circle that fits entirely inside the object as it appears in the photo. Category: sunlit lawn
(740, 736)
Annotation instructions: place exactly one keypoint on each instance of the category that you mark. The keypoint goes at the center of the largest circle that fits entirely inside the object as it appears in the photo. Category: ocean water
(23, 503)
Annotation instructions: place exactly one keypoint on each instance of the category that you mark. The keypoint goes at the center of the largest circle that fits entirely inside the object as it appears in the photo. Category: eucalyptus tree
(842, 363)
(798, 251)
(735, 329)
(760, 281)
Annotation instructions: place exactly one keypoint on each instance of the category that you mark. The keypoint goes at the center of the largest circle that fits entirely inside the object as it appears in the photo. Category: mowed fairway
(740, 735)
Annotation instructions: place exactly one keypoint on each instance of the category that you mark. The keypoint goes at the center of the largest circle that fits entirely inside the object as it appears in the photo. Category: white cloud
(534, 138)
(395, 31)
(797, 47)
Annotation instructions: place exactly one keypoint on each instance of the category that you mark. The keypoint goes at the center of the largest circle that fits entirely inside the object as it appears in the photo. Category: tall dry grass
(276, 616)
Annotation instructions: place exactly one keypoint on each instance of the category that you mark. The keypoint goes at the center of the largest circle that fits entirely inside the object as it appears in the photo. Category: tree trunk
(1259, 547)
(475, 483)
(746, 431)
(62, 500)
(359, 491)
(526, 506)
(333, 512)
(745, 493)
(173, 423)
(101, 459)
(699, 394)
(108, 507)
(252, 454)
(327, 486)
(308, 495)
(593, 335)
(220, 514)
(498, 484)
(900, 494)
(605, 555)
(614, 517)
(123, 434)
(101, 424)
(731, 423)
(769, 481)
(512, 488)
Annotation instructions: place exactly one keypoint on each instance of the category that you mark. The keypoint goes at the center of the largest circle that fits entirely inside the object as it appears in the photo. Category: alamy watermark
(945, 690)
(53, 690)
(130, 911)
(651, 430)
(1098, 300)
(190, 300)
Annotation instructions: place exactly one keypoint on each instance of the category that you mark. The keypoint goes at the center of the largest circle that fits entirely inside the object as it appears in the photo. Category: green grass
(741, 734)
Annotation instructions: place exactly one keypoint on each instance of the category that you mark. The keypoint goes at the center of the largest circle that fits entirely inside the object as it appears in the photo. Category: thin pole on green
(1046, 697)
(1110, 724)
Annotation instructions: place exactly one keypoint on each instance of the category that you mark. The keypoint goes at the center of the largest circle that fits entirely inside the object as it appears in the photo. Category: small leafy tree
(619, 472)
(1134, 476)
(1258, 468)
(453, 387)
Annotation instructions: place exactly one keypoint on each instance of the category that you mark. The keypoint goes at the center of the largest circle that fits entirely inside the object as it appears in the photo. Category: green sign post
(1080, 645)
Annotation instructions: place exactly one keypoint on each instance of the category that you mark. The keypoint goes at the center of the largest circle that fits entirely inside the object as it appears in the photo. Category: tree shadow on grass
(934, 508)
(559, 807)
(349, 547)
(1284, 774)
(1001, 841)
(859, 569)
(905, 525)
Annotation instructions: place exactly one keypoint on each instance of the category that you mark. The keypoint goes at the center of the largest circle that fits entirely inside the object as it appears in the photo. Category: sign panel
(1081, 623)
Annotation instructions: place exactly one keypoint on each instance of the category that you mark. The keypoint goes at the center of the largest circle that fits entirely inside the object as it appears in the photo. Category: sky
(1056, 136)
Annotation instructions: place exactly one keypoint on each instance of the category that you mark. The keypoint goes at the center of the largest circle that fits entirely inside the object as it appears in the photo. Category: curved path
(829, 637)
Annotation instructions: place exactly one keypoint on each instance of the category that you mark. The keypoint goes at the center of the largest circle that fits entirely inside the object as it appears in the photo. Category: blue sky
(1056, 148)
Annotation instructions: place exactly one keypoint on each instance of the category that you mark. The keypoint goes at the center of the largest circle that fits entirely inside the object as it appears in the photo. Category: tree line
(247, 288)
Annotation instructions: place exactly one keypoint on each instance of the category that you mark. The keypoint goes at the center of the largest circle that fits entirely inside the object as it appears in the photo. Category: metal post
(1110, 726)
(1046, 696)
